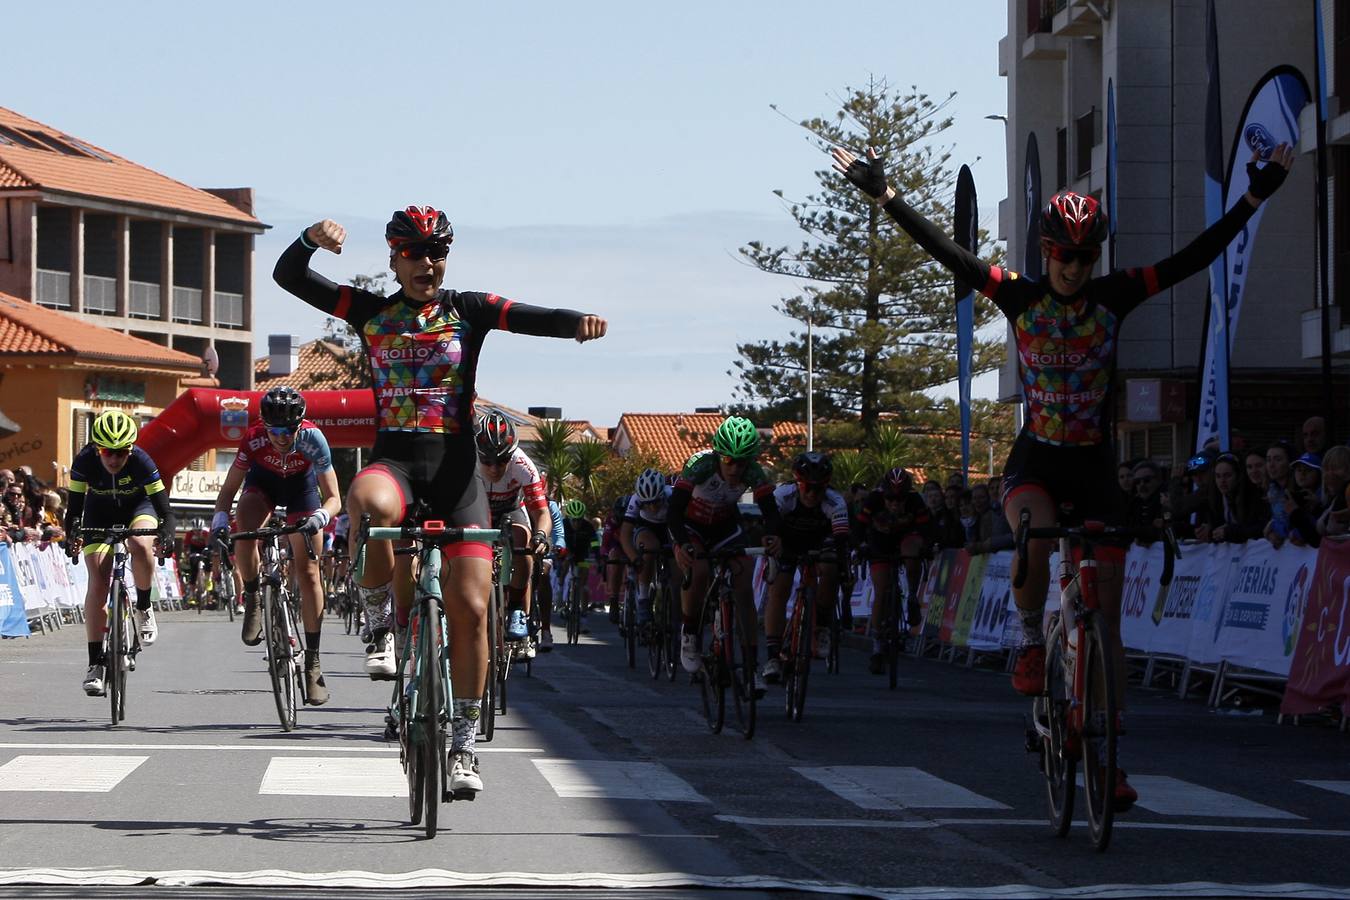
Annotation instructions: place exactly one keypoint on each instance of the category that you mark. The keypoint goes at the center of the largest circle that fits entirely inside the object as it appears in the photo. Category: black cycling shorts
(298, 493)
(1084, 476)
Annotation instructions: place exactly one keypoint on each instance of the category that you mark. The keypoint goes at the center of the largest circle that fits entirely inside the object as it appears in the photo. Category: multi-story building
(88, 232)
(1058, 57)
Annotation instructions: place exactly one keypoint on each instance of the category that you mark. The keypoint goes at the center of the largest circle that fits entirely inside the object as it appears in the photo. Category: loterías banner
(1319, 676)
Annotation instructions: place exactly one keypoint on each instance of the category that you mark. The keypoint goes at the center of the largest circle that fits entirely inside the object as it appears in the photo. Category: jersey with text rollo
(122, 492)
(520, 486)
(309, 452)
(712, 499)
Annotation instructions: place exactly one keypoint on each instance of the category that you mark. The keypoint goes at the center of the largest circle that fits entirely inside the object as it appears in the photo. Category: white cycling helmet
(651, 486)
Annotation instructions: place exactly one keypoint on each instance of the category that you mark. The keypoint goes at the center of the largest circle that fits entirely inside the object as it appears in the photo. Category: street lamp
(810, 380)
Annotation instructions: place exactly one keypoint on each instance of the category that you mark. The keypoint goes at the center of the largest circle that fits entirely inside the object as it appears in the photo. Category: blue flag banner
(1212, 369)
(965, 224)
(1031, 185)
(1269, 119)
(13, 617)
(1112, 213)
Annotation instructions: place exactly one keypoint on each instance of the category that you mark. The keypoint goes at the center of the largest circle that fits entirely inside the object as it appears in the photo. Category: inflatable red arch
(203, 418)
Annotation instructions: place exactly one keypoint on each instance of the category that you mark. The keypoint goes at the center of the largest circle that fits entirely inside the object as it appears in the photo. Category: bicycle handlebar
(1092, 530)
(116, 534)
(263, 534)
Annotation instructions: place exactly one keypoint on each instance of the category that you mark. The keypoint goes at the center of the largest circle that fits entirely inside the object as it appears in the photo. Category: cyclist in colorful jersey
(283, 460)
(515, 494)
(113, 482)
(644, 529)
(579, 546)
(611, 555)
(423, 344)
(811, 516)
(898, 529)
(544, 594)
(1066, 328)
(705, 518)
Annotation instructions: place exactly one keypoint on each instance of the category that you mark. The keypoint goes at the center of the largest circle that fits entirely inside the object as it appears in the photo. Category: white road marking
(442, 878)
(264, 747)
(1340, 787)
(334, 777)
(1169, 796)
(895, 787)
(616, 780)
(76, 774)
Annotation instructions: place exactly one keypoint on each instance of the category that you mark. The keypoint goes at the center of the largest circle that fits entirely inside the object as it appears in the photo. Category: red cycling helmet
(418, 223)
(1073, 220)
(897, 481)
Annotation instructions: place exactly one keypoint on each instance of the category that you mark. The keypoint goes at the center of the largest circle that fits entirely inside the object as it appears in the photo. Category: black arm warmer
(293, 273)
(160, 501)
(1207, 245)
(679, 502)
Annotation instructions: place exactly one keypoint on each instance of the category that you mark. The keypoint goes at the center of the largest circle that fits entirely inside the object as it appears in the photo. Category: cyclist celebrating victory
(423, 344)
(1066, 328)
(115, 483)
(283, 460)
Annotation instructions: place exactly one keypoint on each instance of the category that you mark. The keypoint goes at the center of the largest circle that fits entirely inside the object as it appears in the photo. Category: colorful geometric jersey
(309, 452)
(653, 514)
(798, 519)
(712, 499)
(1066, 346)
(520, 485)
(423, 356)
(136, 480)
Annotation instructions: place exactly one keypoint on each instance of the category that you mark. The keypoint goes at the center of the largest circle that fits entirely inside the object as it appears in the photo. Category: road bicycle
(122, 643)
(894, 604)
(1075, 718)
(798, 646)
(576, 597)
(282, 635)
(628, 629)
(663, 633)
(505, 652)
(421, 708)
(222, 585)
(728, 663)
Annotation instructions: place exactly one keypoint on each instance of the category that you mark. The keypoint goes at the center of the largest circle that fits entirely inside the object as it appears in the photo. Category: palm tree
(552, 452)
(850, 467)
(587, 458)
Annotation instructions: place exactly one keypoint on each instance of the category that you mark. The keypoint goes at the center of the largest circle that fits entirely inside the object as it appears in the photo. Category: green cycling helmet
(737, 438)
(114, 430)
(574, 509)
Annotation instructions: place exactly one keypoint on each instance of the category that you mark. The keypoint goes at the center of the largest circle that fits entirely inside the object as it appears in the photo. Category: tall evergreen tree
(882, 309)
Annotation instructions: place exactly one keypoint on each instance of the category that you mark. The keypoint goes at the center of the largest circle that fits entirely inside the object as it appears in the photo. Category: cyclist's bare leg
(372, 493)
(519, 594)
(252, 512)
(96, 595)
(883, 590)
(911, 548)
(691, 598)
(309, 581)
(827, 581)
(775, 609)
(1110, 584)
(650, 546)
(1031, 596)
(743, 590)
(142, 550)
(614, 578)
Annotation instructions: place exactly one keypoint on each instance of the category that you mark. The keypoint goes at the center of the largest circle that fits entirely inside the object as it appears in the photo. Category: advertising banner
(1319, 675)
(965, 225)
(1257, 624)
(1220, 567)
(13, 617)
(969, 600)
(956, 585)
(994, 603)
(1141, 596)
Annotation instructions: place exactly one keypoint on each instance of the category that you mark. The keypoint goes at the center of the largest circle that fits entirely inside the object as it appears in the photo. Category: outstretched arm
(293, 273)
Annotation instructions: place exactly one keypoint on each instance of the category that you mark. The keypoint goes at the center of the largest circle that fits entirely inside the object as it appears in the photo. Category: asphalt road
(602, 780)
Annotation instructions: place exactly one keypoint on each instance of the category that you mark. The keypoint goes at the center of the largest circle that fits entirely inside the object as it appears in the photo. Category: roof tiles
(29, 329)
(673, 437)
(90, 171)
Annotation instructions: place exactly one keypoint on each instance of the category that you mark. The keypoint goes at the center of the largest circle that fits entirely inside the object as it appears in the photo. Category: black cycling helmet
(1071, 219)
(620, 506)
(897, 481)
(495, 438)
(282, 407)
(813, 468)
(418, 224)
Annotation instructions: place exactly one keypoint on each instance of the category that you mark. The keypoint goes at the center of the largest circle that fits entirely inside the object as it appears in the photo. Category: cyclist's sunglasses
(108, 451)
(283, 430)
(734, 460)
(494, 460)
(432, 250)
(804, 485)
(1085, 255)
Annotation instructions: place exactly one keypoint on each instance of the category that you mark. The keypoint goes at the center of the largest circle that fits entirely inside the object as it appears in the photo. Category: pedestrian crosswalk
(871, 788)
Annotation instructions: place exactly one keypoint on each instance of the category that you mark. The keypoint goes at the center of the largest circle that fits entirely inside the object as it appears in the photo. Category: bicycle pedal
(463, 795)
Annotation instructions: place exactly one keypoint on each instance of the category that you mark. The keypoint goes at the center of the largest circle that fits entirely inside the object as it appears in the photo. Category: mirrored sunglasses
(108, 451)
(432, 250)
(283, 430)
(1085, 255)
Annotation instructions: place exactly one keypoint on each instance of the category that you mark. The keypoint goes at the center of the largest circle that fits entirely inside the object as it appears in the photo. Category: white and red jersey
(521, 485)
(309, 452)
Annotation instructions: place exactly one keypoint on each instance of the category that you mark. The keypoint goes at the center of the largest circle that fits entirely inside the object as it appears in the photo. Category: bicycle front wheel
(740, 665)
(1099, 730)
(115, 659)
(800, 671)
(656, 633)
(1052, 712)
(279, 658)
(488, 709)
(433, 729)
(630, 629)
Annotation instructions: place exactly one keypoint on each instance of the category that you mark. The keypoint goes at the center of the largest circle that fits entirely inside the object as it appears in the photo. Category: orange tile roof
(317, 370)
(83, 173)
(29, 329)
(673, 437)
(789, 433)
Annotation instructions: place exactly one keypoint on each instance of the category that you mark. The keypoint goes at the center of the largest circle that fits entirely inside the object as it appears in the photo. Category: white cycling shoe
(690, 657)
(93, 681)
(380, 657)
(146, 625)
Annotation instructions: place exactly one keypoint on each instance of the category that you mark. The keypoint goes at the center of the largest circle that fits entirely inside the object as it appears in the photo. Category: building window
(1086, 135)
(53, 256)
(1061, 158)
(1157, 442)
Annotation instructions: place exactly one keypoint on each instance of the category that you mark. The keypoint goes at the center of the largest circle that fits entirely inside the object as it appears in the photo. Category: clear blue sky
(609, 157)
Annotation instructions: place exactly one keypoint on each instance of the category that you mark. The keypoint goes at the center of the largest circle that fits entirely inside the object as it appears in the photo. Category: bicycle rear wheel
(1099, 730)
(630, 629)
(297, 670)
(1057, 764)
(114, 657)
(656, 633)
(836, 635)
(713, 677)
(674, 627)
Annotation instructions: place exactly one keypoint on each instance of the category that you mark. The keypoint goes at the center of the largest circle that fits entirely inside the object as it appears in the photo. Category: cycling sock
(312, 641)
(1031, 624)
(465, 724)
(688, 624)
(644, 593)
(251, 585)
(378, 607)
(142, 599)
(95, 653)
(773, 646)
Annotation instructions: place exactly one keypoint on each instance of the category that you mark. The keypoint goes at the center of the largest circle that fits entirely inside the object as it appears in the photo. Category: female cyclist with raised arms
(423, 343)
(1066, 329)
